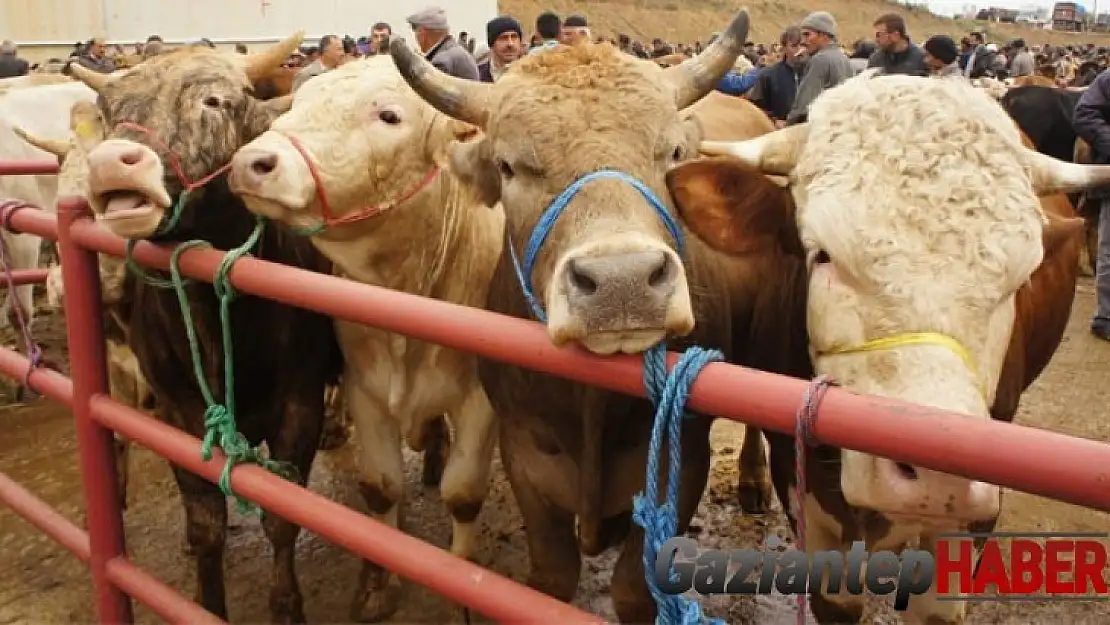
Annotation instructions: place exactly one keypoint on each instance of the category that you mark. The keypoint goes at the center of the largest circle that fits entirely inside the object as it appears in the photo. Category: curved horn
(465, 100)
(1051, 175)
(95, 80)
(775, 153)
(56, 147)
(697, 76)
(258, 65)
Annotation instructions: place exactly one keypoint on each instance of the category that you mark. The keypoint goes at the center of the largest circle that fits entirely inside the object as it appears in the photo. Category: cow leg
(631, 598)
(123, 453)
(206, 531)
(379, 591)
(824, 533)
(754, 487)
(296, 442)
(466, 476)
(336, 421)
(556, 562)
(927, 608)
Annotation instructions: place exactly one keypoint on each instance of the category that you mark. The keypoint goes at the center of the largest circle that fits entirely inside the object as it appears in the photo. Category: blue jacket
(738, 84)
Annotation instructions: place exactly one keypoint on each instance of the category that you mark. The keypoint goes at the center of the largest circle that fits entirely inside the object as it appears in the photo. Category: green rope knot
(219, 419)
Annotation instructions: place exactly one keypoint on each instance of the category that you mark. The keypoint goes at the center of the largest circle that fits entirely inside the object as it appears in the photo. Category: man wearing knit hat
(503, 35)
(827, 67)
(439, 47)
(942, 56)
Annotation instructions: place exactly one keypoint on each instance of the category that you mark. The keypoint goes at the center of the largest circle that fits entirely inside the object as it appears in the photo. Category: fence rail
(1060, 467)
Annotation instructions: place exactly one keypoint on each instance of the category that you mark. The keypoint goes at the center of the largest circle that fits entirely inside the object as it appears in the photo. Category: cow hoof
(286, 608)
(376, 605)
(334, 436)
(752, 499)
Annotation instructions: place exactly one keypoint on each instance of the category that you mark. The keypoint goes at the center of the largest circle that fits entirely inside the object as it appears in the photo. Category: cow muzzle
(905, 493)
(126, 192)
(272, 178)
(619, 298)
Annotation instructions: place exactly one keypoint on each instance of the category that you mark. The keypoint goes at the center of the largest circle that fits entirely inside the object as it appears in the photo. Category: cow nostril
(581, 282)
(264, 165)
(906, 470)
(661, 273)
(131, 157)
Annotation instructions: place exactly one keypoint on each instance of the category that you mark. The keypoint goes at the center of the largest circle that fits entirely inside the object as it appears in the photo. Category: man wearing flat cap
(439, 47)
(826, 68)
(942, 56)
(504, 36)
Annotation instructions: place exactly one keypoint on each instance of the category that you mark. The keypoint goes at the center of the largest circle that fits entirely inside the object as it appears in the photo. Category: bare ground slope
(693, 20)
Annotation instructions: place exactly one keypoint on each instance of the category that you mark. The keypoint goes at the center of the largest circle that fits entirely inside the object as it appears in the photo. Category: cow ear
(730, 205)
(472, 162)
(262, 113)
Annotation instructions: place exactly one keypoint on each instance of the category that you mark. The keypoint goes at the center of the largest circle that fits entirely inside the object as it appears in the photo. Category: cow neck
(411, 248)
(366, 212)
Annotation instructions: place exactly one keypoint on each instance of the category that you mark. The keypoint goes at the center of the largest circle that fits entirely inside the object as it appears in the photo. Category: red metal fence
(1061, 467)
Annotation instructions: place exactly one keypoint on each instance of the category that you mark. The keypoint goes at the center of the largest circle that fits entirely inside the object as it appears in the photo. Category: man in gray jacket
(439, 47)
(827, 67)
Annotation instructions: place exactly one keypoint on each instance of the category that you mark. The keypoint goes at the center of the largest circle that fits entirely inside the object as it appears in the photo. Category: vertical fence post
(85, 333)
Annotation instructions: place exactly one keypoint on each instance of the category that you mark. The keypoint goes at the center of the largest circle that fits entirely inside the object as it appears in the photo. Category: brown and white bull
(609, 278)
(171, 123)
(361, 155)
(929, 273)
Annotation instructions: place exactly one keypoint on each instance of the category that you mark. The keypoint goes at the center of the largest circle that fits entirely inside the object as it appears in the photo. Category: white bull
(42, 111)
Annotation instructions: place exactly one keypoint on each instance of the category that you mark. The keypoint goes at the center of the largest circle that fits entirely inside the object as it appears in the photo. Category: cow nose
(263, 164)
(918, 491)
(122, 156)
(634, 285)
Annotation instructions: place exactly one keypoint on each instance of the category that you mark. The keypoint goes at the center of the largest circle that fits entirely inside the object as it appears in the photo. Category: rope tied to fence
(668, 393)
(805, 421)
(219, 419)
(34, 352)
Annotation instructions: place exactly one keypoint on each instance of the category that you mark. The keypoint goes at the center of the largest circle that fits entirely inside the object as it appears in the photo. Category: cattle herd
(903, 206)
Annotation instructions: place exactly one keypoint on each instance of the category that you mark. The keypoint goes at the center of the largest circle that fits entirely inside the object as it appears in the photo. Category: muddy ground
(41, 583)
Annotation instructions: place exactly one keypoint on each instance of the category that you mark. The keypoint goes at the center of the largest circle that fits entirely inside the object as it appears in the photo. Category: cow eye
(390, 117)
(679, 153)
(212, 102)
(821, 257)
(505, 169)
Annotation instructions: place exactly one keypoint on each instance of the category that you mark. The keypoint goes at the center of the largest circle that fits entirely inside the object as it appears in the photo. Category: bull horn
(775, 153)
(697, 76)
(94, 80)
(258, 65)
(465, 100)
(54, 146)
(1051, 175)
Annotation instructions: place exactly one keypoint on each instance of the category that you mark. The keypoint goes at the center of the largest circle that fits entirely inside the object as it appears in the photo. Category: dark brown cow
(608, 277)
(183, 115)
(872, 501)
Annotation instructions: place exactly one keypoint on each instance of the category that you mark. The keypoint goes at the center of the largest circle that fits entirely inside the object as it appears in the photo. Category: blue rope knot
(668, 393)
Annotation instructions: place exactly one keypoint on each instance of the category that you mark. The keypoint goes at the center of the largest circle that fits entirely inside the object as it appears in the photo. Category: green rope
(219, 419)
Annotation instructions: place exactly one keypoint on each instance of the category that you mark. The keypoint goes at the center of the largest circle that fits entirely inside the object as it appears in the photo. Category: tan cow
(916, 252)
(609, 277)
(125, 381)
(359, 146)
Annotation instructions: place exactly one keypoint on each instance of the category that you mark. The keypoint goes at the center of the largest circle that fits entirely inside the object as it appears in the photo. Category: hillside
(697, 19)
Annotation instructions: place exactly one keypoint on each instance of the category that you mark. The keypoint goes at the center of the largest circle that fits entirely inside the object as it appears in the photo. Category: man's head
(791, 42)
(96, 47)
(503, 36)
(379, 37)
(976, 38)
(429, 26)
(331, 50)
(549, 26)
(575, 29)
(890, 32)
(940, 50)
(818, 30)
(7, 47)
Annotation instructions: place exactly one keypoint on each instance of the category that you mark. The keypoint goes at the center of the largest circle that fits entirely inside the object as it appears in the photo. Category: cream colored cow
(361, 138)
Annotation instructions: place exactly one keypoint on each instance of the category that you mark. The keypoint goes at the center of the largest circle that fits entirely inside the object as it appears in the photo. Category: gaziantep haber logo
(1011, 567)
